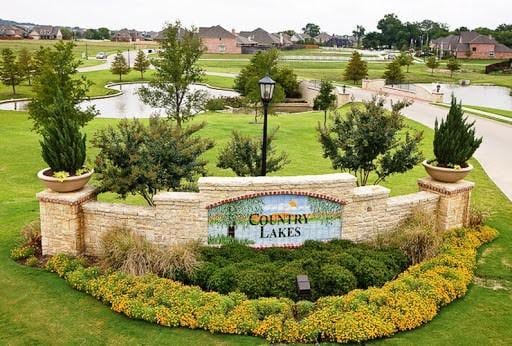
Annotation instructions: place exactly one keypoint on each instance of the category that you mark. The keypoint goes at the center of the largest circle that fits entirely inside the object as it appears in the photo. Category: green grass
(104, 77)
(39, 308)
(501, 112)
(91, 47)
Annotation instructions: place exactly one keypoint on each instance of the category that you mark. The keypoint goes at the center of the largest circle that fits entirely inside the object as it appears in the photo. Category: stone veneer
(74, 222)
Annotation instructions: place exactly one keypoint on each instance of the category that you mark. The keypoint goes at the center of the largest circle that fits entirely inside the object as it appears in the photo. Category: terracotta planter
(446, 175)
(69, 184)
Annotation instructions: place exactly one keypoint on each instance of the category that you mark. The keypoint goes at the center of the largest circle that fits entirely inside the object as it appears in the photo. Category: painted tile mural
(275, 220)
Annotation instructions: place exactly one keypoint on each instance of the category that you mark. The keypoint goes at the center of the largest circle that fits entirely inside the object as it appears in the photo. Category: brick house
(45, 32)
(11, 32)
(126, 35)
(471, 44)
(216, 39)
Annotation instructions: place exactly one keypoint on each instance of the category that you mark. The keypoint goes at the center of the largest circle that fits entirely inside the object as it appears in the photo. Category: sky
(333, 16)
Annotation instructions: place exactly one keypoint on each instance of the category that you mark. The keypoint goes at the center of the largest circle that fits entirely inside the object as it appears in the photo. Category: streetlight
(267, 91)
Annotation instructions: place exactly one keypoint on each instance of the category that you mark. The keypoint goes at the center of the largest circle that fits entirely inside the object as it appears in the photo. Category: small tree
(26, 65)
(141, 63)
(356, 69)
(393, 73)
(454, 138)
(10, 73)
(176, 69)
(55, 108)
(243, 155)
(453, 65)
(144, 159)
(326, 98)
(432, 63)
(119, 66)
(405, 59)
(371, 139)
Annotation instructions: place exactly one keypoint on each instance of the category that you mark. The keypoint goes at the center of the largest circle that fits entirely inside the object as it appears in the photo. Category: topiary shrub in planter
(455, 143)
(58, 118)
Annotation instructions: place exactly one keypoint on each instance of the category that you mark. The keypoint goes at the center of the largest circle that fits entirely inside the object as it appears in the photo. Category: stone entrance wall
(74, 223)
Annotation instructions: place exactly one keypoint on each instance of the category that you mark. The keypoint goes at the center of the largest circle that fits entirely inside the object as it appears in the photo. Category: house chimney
(233, 31)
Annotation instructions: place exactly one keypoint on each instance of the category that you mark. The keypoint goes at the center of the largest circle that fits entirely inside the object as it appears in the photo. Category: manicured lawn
(82, 46)
(104, 77)
(39, 308)
(501, 112)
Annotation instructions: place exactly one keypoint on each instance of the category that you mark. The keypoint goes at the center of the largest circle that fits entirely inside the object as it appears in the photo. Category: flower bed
(407, 302)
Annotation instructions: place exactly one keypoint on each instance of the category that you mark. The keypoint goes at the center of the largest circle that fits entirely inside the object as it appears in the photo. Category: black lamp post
(267, 91)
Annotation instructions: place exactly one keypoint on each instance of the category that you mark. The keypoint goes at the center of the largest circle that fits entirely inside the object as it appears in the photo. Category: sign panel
(275, 220)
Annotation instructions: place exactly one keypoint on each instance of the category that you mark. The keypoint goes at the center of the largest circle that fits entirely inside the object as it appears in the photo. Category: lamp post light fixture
(267, 86)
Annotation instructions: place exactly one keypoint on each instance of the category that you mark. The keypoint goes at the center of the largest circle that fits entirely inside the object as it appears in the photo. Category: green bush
(333, 280)
(332, 268)
(215, 104)
(303, 308)
(372, 272)
(22, 252)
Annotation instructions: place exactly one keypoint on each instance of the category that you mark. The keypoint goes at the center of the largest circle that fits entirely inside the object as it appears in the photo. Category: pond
(477, 95)
(127, 105)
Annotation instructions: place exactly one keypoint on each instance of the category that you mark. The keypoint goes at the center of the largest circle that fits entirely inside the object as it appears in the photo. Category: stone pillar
(454, 201)
(61, 217)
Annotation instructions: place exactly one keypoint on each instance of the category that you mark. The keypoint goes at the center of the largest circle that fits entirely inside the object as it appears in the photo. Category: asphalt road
(495, 153)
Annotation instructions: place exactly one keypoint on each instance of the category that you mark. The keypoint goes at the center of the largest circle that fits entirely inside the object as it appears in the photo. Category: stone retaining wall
(75, 222)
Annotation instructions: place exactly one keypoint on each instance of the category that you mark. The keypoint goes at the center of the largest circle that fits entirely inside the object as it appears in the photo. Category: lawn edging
(405, 303)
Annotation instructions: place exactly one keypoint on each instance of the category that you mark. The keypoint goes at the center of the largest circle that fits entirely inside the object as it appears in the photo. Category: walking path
(494, 153)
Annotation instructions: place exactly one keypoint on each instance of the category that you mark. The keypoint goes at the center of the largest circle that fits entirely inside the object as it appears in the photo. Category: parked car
(101, 55)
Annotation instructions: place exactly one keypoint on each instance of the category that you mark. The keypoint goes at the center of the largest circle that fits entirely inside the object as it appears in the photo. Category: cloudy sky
(334, 16)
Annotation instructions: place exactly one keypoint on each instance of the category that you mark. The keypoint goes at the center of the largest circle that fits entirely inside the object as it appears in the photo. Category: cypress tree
(454, 138)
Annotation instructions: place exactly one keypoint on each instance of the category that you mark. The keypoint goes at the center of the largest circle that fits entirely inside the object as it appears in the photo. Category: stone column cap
(68, 198)
(439, 187)
(335, 178)
(370, 192)
(171, 197)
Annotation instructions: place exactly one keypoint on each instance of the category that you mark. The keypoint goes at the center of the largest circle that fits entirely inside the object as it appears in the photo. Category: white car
(101, 55)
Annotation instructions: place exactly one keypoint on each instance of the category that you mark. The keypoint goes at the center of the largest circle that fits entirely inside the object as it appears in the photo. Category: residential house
(265, 39)
(322, 38)
(216, 39)
(340, 41)
(45, 32)
(300, 38)
(471, 44)
(247, 46)
(125, 35)
(284, 39)
(11, 32)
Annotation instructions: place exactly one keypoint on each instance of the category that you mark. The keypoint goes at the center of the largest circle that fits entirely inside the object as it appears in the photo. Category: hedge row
(405, 303)
(333, 268)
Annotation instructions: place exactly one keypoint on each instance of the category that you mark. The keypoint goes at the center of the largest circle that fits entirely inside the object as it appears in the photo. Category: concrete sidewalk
(495, 152)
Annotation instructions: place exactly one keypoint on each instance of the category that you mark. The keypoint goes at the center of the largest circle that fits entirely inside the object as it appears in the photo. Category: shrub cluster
(407, 302)
(220, 103)
(333, 268)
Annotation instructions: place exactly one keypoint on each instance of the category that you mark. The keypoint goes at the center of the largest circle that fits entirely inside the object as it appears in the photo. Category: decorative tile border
(271, 193)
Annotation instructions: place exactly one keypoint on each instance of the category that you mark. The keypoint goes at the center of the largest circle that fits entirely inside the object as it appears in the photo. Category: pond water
(127, 105)
(477, 95)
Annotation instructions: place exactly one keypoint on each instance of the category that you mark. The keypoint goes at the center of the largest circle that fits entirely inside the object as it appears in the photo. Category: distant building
(246, 45)
(322, 38)
(216, 39)
(471, 44)
(126, 35)
(300, 38)
(11, 32)
(340, 41)
(45, 32)
(264, 39)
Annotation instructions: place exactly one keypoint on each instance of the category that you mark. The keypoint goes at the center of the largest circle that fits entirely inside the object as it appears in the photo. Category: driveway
(495, 152)
(129, 56)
